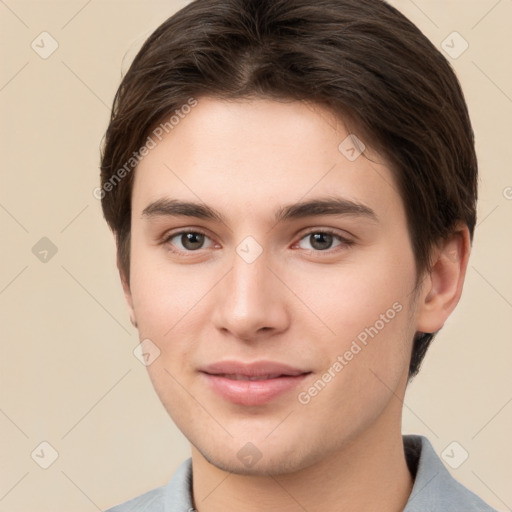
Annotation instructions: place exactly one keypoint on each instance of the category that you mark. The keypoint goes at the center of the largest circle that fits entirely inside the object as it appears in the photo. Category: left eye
(189, 240)
(321, 240)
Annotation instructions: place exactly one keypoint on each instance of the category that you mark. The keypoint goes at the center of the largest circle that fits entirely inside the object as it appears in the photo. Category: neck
(369, 473)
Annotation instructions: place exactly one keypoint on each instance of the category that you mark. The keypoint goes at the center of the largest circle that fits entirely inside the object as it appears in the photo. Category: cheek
(368, 313)
(166, 296)
(349, 300)
(366, 360)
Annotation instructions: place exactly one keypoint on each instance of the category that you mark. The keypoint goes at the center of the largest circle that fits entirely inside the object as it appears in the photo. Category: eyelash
(344, 242)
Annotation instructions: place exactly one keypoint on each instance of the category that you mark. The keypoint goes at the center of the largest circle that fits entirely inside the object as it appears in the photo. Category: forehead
(253, 155)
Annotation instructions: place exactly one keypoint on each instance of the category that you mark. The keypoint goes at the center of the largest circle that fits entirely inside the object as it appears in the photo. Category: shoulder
(176, 495)
(435, 489)
(151, 501)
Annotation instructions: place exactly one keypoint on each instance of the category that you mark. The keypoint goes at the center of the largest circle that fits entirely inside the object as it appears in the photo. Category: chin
(267, 461)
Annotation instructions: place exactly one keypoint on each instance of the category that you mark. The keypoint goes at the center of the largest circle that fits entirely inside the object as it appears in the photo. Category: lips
(254, 383)
(269, 369)
(236, 376)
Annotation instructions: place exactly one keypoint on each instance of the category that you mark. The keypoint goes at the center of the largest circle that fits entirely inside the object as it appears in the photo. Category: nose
(250, 301)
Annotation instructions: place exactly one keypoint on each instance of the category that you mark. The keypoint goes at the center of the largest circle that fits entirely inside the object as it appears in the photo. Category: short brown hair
(360, 58)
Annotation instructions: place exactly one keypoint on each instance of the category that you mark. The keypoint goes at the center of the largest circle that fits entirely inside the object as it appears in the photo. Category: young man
(292, 187)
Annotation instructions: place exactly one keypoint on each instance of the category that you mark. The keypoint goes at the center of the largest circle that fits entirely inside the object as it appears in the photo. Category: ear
(127, 293)
(442, 285)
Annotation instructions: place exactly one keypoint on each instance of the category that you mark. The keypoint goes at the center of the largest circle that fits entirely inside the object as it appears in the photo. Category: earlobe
(443, 287)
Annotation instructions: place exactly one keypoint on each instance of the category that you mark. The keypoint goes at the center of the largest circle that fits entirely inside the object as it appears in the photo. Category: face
(280, 295)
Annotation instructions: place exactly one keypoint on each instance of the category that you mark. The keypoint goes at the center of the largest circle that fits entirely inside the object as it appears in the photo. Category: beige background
(68, 375)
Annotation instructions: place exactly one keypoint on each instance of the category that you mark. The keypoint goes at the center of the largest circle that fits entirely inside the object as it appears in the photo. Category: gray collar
(434, 489)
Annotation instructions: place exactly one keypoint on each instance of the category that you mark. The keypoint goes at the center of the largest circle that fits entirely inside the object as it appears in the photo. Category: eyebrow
(315, 207)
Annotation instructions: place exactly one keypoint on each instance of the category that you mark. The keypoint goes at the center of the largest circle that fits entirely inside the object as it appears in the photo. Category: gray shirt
(434, 489)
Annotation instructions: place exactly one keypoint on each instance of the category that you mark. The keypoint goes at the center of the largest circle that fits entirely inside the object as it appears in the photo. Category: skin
(295, 304)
